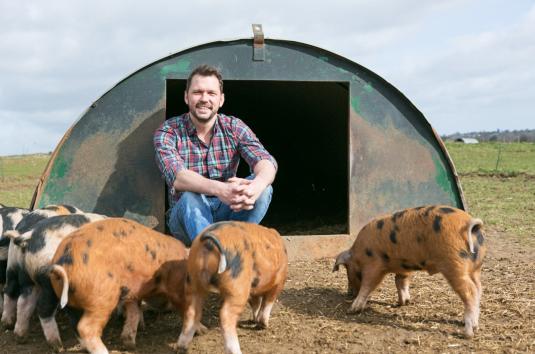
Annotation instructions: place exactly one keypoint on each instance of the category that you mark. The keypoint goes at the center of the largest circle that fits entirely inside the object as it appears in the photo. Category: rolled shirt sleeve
(167, 157)
(249, 147)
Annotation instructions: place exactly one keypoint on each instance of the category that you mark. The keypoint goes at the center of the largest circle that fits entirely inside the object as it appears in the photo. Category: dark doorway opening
(304, 125)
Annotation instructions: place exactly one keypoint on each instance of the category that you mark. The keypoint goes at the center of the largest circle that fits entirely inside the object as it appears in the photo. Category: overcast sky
(466, 64)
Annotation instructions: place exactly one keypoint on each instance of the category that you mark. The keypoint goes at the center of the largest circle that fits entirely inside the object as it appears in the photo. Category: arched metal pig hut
(349, 144)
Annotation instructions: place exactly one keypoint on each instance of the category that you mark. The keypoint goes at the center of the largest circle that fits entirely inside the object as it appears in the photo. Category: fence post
(498, 159)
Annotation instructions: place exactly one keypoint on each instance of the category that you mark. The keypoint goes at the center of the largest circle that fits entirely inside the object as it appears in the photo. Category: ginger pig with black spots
(114, 262)
(242, 262)
(437, 239)
(38, 246)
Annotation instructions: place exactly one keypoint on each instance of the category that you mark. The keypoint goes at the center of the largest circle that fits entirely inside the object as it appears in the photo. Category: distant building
(467, 140)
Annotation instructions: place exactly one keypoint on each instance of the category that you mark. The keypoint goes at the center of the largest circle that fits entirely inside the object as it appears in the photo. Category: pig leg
(255, 302)
(3, 271)
(231, 310)
(370, 280)
(267, 304)
(191, 320)
(402, 284)
(74, 315)
(122, 313)
(178, 303)
(11, 294)
(47, 305)
(90, 330)
(467, 291)
(9, 313)
(51, 332)
(25, 308)
(132, 314)
(476, 278)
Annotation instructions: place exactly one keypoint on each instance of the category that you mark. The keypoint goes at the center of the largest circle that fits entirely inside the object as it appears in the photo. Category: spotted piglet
(38, 246)
(114, 262)
(438, 239)
(20, 295)
(9, 218)
(244, 263)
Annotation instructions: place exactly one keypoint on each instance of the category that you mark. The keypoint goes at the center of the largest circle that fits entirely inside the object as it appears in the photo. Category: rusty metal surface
(46, 173)
(453, 171)
(106, 163)
(317, 246)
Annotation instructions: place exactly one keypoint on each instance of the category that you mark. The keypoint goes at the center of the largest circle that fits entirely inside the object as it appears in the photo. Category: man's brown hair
(205, 70)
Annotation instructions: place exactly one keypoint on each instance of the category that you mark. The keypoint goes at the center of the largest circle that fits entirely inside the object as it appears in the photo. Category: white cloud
(24, 133)
(468, 84)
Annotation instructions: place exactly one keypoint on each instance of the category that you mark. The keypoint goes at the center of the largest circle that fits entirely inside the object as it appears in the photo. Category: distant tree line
(526, 135)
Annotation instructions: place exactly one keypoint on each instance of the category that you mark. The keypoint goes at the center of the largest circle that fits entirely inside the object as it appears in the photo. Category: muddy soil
(310, 316)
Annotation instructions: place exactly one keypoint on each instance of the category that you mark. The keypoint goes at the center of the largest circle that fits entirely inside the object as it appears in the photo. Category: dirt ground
(310, 316)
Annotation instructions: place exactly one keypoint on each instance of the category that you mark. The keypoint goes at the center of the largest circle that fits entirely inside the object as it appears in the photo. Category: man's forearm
(264, 172)
(190, 181)
(228, 193)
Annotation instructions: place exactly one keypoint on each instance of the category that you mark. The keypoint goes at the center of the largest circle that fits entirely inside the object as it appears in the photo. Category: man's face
(204, 98)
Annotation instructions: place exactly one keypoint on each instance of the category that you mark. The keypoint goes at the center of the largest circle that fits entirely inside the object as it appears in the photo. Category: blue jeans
(194, 211)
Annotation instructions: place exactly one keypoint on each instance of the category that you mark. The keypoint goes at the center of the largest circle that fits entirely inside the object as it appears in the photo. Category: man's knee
(191, 200)
(189, 216)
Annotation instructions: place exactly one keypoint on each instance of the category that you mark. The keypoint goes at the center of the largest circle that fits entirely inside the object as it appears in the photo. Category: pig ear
(12, 234)
(343, 258)
(22, 240)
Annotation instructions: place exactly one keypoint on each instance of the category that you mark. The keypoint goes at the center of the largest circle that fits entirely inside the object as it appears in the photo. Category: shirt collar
(190, 127)
(188, 124)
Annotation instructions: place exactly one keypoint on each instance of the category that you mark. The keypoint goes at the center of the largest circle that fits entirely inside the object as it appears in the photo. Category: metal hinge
(258, 43)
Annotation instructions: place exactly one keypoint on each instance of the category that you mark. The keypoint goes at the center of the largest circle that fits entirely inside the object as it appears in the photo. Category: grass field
(19, 176)
(493, 158)
(503, 197)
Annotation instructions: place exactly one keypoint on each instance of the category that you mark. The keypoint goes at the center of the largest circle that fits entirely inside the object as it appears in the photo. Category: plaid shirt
(178, 147)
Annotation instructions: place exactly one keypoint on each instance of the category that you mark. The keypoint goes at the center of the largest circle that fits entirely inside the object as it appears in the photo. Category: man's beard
(202, 119)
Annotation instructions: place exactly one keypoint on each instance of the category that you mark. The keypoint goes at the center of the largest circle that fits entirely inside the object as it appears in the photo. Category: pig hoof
(129, 343)
(182, 350)
(8, 326)
(353, 310)
(201, 329)
(260, 326)
(468, 333)
(56, 347)
(21, 339)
